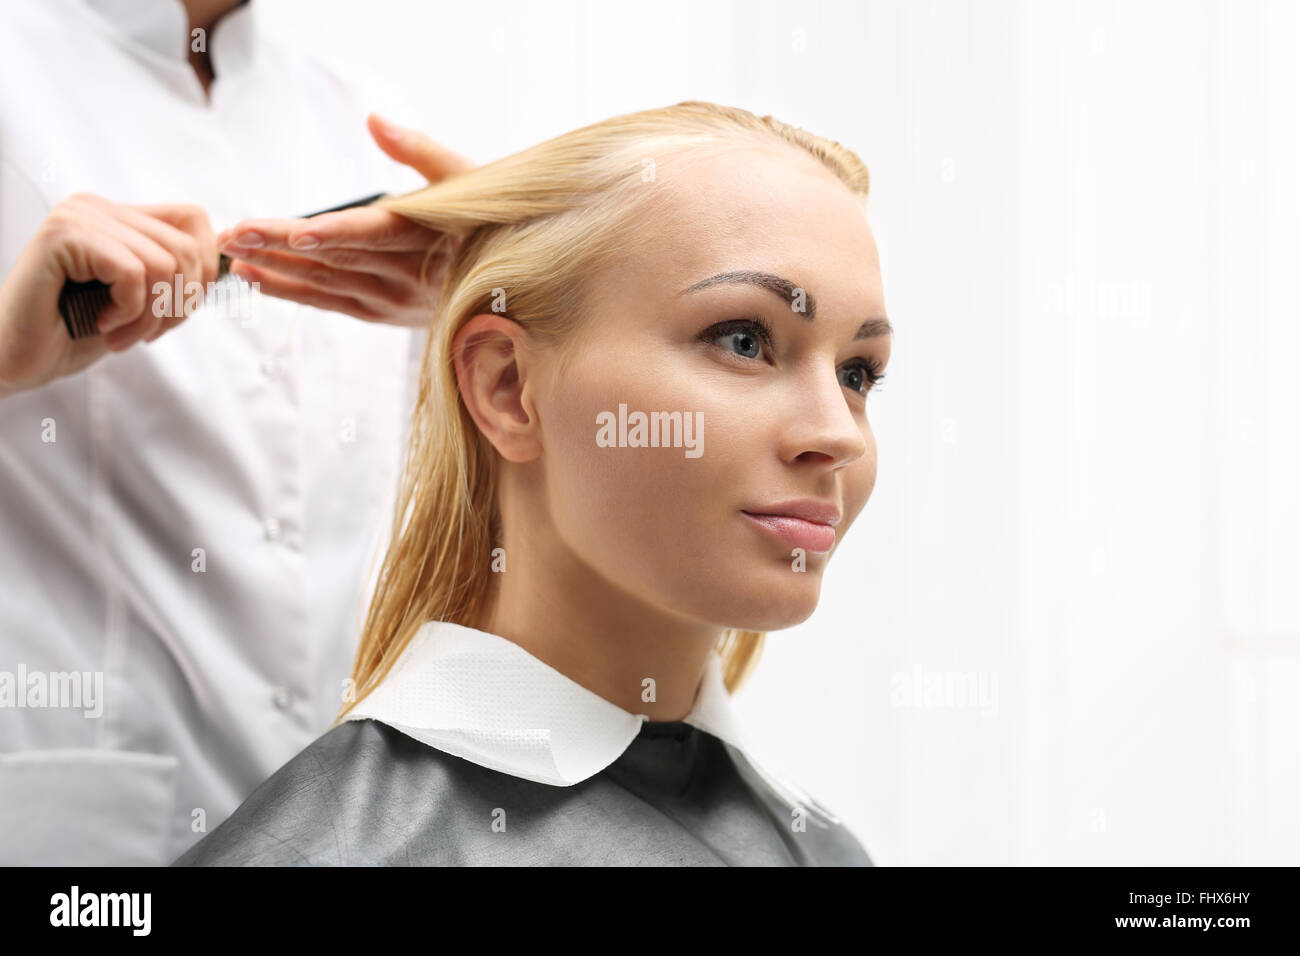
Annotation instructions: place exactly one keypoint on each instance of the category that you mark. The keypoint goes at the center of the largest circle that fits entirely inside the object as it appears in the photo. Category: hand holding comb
(81, 302)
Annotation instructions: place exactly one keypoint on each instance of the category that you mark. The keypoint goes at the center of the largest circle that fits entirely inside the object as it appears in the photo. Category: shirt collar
(162, 27)
(485, 699)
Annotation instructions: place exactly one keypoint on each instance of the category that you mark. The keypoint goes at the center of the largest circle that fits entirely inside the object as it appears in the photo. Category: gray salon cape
(367, 794)
(472, 751)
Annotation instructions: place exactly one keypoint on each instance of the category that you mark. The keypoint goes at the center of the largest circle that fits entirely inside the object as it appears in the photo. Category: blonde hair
(538, 223)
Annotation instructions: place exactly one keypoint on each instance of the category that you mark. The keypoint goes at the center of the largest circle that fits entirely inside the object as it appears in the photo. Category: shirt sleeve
(23, 207)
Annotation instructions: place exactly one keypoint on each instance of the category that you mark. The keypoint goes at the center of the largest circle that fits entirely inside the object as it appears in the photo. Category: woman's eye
(744, 337)
(862, 373)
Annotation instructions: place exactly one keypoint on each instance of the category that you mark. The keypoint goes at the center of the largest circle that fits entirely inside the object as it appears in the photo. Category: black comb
(81, 302)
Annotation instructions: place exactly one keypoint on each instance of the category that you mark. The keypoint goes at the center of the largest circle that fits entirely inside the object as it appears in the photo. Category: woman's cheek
(860, 483)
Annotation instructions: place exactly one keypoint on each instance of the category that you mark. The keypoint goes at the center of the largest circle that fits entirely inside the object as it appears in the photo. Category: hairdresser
(188, 500)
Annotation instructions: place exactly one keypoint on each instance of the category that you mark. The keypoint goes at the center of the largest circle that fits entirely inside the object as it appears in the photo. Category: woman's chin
(775, 602)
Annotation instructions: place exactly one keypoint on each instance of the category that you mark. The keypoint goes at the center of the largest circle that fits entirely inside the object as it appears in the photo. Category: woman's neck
(560, 610)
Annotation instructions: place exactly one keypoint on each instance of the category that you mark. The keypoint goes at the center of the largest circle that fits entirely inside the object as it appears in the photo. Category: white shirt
(486, 699)
(201, 533)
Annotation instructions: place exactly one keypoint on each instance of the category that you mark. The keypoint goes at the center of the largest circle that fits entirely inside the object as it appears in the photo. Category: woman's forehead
(769, 215)
(765, 200)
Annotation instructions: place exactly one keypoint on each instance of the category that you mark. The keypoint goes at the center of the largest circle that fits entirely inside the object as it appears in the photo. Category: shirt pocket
(85, 807)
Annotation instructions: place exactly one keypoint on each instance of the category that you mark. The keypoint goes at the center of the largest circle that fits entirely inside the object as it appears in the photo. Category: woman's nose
(822, 421)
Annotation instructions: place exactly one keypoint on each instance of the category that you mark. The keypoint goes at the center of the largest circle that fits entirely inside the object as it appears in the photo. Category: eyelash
(761, 329)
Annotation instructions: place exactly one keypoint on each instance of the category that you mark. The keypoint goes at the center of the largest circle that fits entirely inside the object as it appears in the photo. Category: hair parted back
(530, 228)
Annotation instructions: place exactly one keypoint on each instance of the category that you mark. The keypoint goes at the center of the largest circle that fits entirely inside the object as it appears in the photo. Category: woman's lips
(796, 532)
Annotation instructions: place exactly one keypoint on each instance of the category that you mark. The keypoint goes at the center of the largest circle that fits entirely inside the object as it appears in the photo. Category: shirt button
(271, 529)
(268, 367)
(281, 698)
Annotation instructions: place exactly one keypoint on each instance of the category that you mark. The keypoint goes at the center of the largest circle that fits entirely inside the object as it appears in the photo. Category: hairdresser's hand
(365, 262)
(89, 237)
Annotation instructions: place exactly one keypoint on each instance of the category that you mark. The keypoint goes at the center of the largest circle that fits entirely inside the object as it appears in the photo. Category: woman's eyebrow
(787, 290)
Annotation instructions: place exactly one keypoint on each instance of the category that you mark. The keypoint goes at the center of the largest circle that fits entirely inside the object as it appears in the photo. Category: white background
(1087, 496)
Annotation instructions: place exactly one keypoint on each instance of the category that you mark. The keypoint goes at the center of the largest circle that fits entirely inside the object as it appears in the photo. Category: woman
(577, 580)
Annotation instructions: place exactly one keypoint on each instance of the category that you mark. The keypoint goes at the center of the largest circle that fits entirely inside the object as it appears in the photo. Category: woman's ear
(489, 353)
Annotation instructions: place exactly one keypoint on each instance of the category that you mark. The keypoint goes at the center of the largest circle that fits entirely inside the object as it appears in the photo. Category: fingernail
(249, 240)
(112, 317)
(305, 242)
